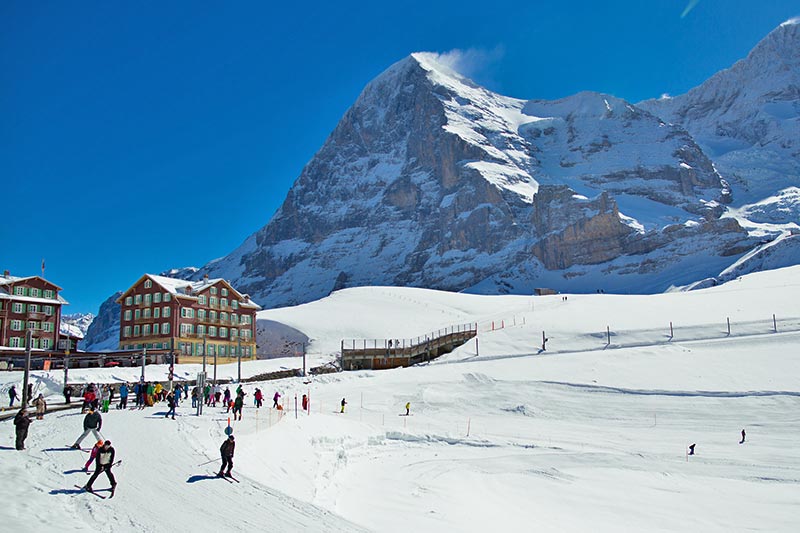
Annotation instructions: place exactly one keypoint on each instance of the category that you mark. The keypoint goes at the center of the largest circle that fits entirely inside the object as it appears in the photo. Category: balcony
(37, 315)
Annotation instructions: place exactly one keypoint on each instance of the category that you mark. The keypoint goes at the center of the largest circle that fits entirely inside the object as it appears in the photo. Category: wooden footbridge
(376, 354)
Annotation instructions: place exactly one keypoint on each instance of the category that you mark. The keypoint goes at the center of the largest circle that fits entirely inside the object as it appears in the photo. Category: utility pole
(144, 361)
(28, 341)
(239, 378)
(66, 367)
(304, 359)
(204, 353)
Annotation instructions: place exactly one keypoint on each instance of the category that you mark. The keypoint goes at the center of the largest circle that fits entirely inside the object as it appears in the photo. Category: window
(48, 294)
(148, 284)
(213, 290)
(126, 331)
(235, 304)
(213, 301)
(212, 315)
(223, 332)
(157, 297)
(146, 313)
(155, 329)
(136, 331)
(201, 300)
(166, 297)
(201, 330)
(234, 333)
(137, 299)
(224, 291)
(156, 312)
(16, 325)
(19, 308)
(34, 342)
(19, 291)
(33, 325)
(33, 308)
(244, 319)
(47, 326)
(127, 314)
(223, 317)
(211, 349)
(165, 328)
(137, 314)
(148, 299)
(212, 331)
(186, 329)
(45, 344)
(165, 314)
(224, 302)
(48, 310)
(35, 293)
(17, 342)
(146, 330)
(187, 312)
(223, 350)
(129, 300)
(234, 318)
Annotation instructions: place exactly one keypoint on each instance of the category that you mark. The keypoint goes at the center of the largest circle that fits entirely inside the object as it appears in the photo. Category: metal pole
(28, 341)
(729, 326)
(239, 378)
(608, 334)
(144, 361)
(774, 323)
(215, 368)
(204, 353)
(304, 359)
(66, 367)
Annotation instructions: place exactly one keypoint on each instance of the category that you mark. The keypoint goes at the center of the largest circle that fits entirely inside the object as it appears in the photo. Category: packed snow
(590, 434)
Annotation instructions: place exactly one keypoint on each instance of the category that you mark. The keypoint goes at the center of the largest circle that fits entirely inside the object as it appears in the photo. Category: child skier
(92, 455)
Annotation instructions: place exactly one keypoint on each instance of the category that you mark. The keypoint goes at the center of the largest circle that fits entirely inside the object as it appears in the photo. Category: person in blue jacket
(123, 396)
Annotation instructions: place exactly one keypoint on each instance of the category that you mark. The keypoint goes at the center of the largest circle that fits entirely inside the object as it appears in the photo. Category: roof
(7, 280)
(5, 295)
(177, 287)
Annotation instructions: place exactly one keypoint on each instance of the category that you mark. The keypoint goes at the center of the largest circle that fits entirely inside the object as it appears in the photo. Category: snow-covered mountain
(431, 180)
(76, 324)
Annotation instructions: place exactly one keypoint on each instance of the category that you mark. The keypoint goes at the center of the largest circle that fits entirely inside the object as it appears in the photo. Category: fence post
(476, 347)
(608, 335)
(729, 326)
(671, 332)
(774, 323)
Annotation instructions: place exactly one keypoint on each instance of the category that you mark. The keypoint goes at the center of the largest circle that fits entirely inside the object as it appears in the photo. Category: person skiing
(237, 405)
(171, 402)
(743, 435)
(343, 404)
(103, 462)
(259, 397)
(217, 394)
(226, 450)
(88, 399)
(123, 396)
(691, 449)
(92, 422)
(12, 395)
(105, 396)
(305, 402)
(408, 408)
(21, 421)
(92, 455)
(227, 396)
(41, 406)
(275, 399)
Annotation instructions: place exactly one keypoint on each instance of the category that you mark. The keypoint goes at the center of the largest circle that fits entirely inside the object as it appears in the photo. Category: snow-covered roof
(7, 280)
(5, 295)
(178, 288)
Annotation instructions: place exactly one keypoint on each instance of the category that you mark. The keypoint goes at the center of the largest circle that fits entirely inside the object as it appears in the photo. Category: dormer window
(148, 284)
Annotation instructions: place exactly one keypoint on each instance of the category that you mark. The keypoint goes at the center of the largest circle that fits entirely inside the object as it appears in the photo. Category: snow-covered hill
(585, 436)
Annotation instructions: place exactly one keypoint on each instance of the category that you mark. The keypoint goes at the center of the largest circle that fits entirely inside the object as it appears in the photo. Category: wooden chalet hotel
(30, 303)
(191, 317)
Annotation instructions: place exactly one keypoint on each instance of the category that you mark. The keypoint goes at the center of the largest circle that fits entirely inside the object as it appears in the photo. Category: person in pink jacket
(92, 455)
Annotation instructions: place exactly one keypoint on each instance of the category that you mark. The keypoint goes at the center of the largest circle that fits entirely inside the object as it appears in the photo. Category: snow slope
(584, 436)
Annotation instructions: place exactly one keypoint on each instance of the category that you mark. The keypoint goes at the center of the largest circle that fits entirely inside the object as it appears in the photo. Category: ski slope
(585, 436)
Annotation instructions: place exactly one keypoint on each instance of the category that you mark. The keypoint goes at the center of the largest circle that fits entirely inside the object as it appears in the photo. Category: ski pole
(211, 461)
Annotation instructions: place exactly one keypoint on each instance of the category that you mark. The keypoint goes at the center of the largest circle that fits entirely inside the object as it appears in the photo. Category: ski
(83, 489)
(81, 449)
(231, 477)
(115, 463)
(224, 477)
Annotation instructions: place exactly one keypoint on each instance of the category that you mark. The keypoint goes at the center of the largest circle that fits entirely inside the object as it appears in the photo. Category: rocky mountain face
(103, 333)
(431, 180)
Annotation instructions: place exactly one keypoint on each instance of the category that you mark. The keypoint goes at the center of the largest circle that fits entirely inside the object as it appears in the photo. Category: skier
(105, 396)
(12, 395)
(41, 406)
(67, 393)
(343, 404)
(237, 405)
(227, 396)
(276, 398)
(92, 455)
(408, 408)
(305, 402)
(226, 450)
(171, 402)
(217, 394)
(691, 449)
(742, 441)
(123, 396)
(258, 397)
(21, 421)
(92, 422)
(178, 394)
(103, 463)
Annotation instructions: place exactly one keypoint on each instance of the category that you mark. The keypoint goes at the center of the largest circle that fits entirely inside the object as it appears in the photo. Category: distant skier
(275, 399)
(12, 395)
(343, 404)
(67, 394)
(237, 405)
(743, 435)
(123, 396)
(305, 402)
(408, 408)
(41, 406)
(92, 422)
(226, 451)
(259, 398)
(226, 397)
(171, 403)
(691, 449)
(105, 396)
(21, 423)
(93, 455)
(103, 462)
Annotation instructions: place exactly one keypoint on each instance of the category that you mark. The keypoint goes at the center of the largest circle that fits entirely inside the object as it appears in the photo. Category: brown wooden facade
(29, 303)
(192, 318)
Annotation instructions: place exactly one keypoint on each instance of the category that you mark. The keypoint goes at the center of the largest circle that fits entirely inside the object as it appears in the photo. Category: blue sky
(141, 136)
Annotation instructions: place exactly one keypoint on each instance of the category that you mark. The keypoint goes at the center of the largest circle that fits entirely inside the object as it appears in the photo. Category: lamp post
(239, 379)
(28, 341)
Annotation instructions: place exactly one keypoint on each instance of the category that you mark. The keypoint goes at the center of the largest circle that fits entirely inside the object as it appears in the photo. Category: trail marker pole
(469, 423)
(671, 332)
(729, 326)
(608, 335)
(774, 323)
(295, 406)
(28, 342)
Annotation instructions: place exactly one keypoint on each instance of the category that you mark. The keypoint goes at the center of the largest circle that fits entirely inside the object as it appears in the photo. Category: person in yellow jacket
(157, 391)
(408, 408)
